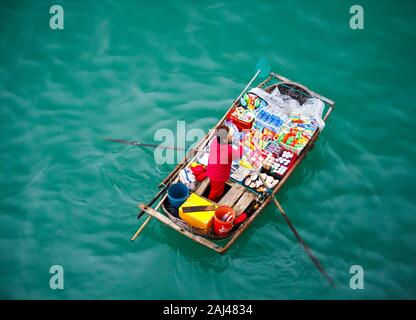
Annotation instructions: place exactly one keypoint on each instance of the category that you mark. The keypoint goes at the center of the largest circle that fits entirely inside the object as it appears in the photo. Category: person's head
(224, 134)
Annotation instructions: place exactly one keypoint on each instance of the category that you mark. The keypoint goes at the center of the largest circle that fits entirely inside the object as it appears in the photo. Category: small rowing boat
(243, 194)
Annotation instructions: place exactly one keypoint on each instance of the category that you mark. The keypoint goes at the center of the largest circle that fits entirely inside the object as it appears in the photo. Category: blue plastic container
(177, 194)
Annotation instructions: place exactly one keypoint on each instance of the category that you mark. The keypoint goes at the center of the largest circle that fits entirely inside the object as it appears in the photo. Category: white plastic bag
(314, 107)
(275, 93)
(292, 106)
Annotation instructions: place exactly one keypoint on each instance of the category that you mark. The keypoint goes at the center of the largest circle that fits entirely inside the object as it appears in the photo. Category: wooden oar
(294, 231)
(141, 228)
(139, 144)
(147, 220)
(164, 188)
(302, 242)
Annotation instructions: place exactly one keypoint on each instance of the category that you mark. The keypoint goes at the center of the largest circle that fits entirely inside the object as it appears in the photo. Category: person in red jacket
(221, 155)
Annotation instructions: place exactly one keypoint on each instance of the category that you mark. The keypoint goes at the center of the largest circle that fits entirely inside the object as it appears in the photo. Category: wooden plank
(244, 202)
(202, 187)
(232, 195)
(165, 220)
(328, 112)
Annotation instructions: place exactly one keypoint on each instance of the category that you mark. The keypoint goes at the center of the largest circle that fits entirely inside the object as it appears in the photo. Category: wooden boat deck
(202, 187)
(237, 196)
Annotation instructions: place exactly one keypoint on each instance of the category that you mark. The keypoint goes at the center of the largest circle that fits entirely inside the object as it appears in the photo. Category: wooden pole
(247, 86)
(154, 199)
(292, 228)
(141, 228)
(302, 242)
(148, 219)
(139, 144)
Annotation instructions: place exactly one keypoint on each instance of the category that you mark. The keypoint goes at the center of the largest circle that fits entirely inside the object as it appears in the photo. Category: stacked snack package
(273, 148)
(252, 158)
(247, 138)
(269, 118)
(283, 163)
(297, 132)
(239, 173)
(242, 118)
(252, 101)
(260, 139)
(277, 134)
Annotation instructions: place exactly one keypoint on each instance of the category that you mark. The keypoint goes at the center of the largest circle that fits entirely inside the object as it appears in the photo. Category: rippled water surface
(125, 69)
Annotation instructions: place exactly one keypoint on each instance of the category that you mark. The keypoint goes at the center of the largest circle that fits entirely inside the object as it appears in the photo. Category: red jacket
(220, 160)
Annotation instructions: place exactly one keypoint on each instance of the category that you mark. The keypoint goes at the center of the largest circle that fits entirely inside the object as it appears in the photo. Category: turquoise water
(125, 69)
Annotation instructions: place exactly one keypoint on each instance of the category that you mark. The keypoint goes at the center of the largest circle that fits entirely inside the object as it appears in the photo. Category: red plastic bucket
(223, 220)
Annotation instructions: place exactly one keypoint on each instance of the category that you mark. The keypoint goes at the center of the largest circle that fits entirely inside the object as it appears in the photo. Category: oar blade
(139, 144)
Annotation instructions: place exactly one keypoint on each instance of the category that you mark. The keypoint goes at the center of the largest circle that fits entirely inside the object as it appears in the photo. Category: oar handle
(148, 218)
(141, 228)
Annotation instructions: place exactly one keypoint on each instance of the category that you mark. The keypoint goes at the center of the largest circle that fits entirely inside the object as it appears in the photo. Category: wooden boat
(238, 197)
